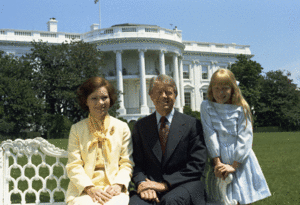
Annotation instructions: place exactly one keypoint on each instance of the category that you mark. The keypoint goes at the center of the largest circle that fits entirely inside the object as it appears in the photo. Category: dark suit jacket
(184, 160)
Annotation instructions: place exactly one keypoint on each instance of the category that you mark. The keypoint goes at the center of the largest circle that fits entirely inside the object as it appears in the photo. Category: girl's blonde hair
(226, 77)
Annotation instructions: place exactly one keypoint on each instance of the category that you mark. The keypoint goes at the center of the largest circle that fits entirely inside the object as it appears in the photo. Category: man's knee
(178, 196)
(136, 200)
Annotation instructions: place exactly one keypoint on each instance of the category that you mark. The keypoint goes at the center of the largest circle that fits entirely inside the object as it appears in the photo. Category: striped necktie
(163, 133)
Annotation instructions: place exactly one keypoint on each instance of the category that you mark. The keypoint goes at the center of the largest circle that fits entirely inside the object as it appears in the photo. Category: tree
(279, 103)
(18, 102)
(188, 111)
(248, 73)
(59, 69)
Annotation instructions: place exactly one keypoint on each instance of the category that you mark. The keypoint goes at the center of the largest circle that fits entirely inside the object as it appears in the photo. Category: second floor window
(186, 72)
(204, 72)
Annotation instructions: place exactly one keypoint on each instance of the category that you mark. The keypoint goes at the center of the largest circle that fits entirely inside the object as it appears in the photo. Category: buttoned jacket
(82, 157)
(184, 159)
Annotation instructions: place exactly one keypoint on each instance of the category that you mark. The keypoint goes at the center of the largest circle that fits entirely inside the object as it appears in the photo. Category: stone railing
(216, 48)
(28, 36)
(139, 31)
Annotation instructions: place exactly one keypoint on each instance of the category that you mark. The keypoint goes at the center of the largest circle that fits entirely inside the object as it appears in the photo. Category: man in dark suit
(169, 152)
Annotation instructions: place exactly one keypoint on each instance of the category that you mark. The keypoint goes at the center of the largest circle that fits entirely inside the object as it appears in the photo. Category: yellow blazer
(82, 161)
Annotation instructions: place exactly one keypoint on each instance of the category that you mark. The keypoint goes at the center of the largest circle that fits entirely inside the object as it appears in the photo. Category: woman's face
(222, 93)
(98, 102)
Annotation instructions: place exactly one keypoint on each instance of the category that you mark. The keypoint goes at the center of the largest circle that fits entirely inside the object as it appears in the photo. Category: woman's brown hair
(89, 86)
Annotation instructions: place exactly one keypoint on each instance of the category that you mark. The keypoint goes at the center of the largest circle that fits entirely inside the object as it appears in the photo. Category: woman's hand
(98, 195)
(115, 189)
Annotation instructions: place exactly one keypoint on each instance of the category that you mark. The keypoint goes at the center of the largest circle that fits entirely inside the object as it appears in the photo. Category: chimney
(94, 27)
(52, 25)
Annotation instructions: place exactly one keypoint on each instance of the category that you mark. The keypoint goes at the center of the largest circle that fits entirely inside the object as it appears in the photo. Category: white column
(143, 91)
(181, 81)
(119, 76)
(229, 64)
(197, 83)
(176, 78)
(211, 71)
(162, 67)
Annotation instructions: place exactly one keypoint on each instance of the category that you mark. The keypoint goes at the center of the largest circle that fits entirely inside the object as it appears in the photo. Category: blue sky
(270, 27)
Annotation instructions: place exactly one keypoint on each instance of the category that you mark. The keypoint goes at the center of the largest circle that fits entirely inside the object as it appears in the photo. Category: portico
(133, 71)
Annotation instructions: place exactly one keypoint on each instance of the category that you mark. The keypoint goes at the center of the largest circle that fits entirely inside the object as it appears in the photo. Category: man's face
(163, 97)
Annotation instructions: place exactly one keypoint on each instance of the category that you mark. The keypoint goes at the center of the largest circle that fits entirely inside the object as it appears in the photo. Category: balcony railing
(216, 47)
(133, 31)
(28, 36)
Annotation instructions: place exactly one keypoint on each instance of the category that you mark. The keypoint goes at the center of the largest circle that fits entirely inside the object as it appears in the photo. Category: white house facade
(134, 53)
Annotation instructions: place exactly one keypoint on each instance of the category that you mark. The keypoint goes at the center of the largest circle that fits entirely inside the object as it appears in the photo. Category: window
(187, 99)
(204, 72)
(168, 70)
(186, 72)
(204, 95)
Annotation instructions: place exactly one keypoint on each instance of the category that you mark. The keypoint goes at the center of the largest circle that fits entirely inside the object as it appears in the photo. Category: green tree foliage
(279, 103)
(18, 103)
(188, 111)
(248, 73)
(38, 90)
(59, 69)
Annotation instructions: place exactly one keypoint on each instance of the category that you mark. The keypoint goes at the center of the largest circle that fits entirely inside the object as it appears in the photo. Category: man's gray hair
(165, 79)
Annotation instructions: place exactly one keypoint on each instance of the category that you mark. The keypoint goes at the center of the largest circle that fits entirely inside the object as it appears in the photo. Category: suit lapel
(175, 135)
(151, 135)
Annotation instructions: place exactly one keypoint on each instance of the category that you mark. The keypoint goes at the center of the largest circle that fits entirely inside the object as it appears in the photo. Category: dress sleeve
(75, 163)
(244, 139)
(210, 135)
(126, 163)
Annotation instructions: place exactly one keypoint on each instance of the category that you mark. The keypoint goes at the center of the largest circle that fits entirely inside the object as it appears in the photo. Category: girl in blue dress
(227, 124)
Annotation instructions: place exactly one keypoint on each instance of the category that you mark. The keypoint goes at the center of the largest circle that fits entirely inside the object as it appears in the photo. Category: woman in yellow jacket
(100, 150)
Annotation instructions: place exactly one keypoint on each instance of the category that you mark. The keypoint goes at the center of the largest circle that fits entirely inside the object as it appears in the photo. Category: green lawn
(277, 153)
(279, 157)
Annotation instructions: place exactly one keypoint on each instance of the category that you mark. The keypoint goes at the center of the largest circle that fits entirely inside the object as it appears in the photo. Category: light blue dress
(228, 136)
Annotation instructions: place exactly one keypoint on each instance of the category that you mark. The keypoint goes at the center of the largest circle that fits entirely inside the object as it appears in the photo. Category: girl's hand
(98, 195)
(225, 169)
(217, 170)
(115, 189)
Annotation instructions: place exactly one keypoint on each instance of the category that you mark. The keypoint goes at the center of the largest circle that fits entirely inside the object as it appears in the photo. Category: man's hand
(115, 189)
(148, 184)
(98, 195)
(149, 195)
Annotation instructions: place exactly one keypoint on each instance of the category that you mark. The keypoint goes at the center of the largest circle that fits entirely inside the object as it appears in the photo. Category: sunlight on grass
(278, 155)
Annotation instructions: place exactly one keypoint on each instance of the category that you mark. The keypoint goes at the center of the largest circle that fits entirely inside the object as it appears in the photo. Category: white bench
(11, 151)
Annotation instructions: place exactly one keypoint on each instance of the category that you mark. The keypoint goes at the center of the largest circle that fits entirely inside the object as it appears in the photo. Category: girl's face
(222, 93)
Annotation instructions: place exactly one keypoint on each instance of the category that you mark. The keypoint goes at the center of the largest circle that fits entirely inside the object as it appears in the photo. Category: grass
(278, 155)
(277, 152)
